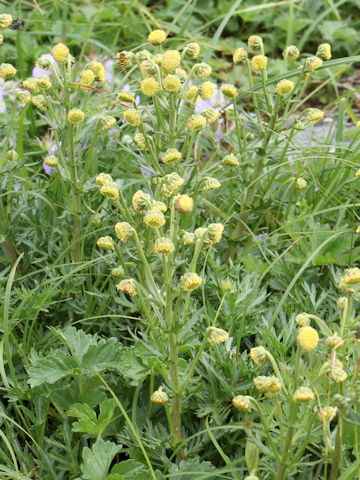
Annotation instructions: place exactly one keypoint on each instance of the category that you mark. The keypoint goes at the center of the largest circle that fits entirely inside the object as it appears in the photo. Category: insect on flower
(17, 24)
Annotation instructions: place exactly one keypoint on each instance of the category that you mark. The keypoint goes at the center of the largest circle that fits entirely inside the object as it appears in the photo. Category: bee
(123, 60)
(17, 24)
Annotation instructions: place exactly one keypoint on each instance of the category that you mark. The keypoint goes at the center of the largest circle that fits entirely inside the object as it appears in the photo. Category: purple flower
(17, 186)
(109, 71)
(38, 72)
(146, 172)
(2, 103)
(51, 151)
(47, 169)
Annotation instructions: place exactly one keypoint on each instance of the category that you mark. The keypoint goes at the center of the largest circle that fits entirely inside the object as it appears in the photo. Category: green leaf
(51, 368)
(132, 367)
(88, 423)
(97, 460)
(128, 467)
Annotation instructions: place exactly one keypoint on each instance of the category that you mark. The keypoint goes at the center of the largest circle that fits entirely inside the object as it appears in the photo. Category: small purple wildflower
(2, 103)
(17, 186)
(146, 172)
(109, 70)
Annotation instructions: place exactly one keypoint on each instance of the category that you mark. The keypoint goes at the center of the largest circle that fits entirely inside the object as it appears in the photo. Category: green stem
(254, 97)
(89, 155)
(76, 198)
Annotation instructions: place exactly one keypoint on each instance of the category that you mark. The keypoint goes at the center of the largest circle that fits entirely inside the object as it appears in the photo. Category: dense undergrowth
(179, 241)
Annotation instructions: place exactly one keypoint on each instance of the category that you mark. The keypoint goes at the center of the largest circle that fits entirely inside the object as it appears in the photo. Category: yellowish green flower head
(170, 61)
(324, 51)
(242, 402)
(181, 74)
(12, 155)
(149, 87)
(259, 63)
(140, 201)
(132, 117)
(149, 68)
(190, 281)
(210, 183)
(123, 231)
(326, 414)
(231, 160)
(126, 97)
(159, 396)
(7, 70)
(255, 42)
(103, 178)
(99, 71)
(302, 319)
(143, 55)
(154, 219)
(127, 286)
(76, 115)
(157, 205)
(207, 90)
(157, 58)
(39, 102)
(184, 203)
(5, 21)
(30, 84)
(258, 355)
(105, 243)
(164, 246)
(314, 115)
(216, 335)
(191, 50)
(23, 97)
(267, 385)
(157, 37)
(210, 114)
(313, 63)
(307, 338)
(202, 70)
(227, 285)
(191, 93)
(350, 280)
(341, 303)
(60, 52)
(303, 394)
(171, 155)
(196, 122)
(106, 122)
(291, 53)
(358, 124)
(117, 272)
(43, 82)
(188, 238)
(229, 91)
(110, 190)
(171, 184)
(51, 161)
(171, 83)
(140, 140)
(87, 78)
(301, 183)
(239, 55)
(43, 63)
(284, 87)
(215, 231)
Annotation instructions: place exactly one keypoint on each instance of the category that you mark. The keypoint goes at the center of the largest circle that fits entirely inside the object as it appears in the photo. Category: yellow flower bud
(215, 231)
(341, 303)
(226, 285)
(190, 281)
(60, 52)
(149, 68)
(240, 55)
(258, 355)
(103, 178)
(117, 272)
(51, 161)
(188, 238)
(170, 61)
(30, 84)
(324, 51)
(110, 190)
(313, 63)
(303, 394)
(127, 286)
(43, 82)
(211, 183)
(254, 42)
(358, 126)
(207, 90)
(159, 396)
(43, 63)
(216, 335)
(171, 83)
(7, 70)
(99, 71)
(301, 183)
(231, 160)
(154, 219)
(75, 115)
(184, 203)
(191, 92)
(107, 122)
(1, 39)
(156, 37)
(307, 338)
(5, 21)
(12, 155)
(123, 231)
(164, 246)
(140, 140)
(229, 91)
(23, 97)
(171, 184)
(157, 59)
(132, 117)
(267, 385)
(242, 402)
(105, 243)
(171, 155)
(351, 277)
(140, 201)
(149, 87)
(326, 414)
(291, 53)
(87, 78)
(143, 55)
(202, 70)
(259, 62)
(191, 50)
(314, 115)
(126, 97)
(284, 87)
(196, 122)
(302, 320)
(210, 114)
(160, 206)
(39, 102)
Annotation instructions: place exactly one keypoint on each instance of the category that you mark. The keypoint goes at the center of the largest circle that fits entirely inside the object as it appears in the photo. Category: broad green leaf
(97, 460)
(88, 423)
(51, 368)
